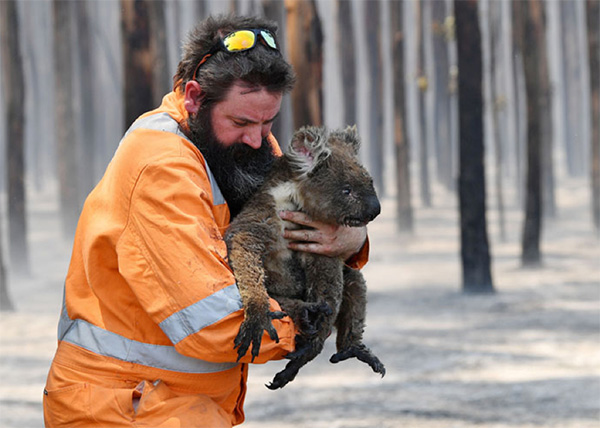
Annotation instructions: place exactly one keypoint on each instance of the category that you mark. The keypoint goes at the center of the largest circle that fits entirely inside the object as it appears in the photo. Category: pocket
(68, 406)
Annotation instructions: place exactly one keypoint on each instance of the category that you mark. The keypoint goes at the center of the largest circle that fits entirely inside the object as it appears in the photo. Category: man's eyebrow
(250, 121)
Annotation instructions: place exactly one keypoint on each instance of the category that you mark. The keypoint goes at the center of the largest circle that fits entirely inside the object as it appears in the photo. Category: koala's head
(333, 186)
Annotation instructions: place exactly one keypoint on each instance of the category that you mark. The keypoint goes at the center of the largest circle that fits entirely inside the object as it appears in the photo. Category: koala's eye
(347, 190)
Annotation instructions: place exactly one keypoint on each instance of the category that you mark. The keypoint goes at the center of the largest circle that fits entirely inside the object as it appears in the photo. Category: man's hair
(257, 67)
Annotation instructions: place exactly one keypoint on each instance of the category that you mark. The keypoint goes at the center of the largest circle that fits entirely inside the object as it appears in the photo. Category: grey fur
(320, 175)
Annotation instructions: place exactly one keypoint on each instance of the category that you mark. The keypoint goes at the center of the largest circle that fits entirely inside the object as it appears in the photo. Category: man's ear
(193, 97)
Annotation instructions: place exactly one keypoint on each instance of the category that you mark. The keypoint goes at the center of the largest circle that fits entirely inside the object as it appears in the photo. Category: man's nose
(253, 137)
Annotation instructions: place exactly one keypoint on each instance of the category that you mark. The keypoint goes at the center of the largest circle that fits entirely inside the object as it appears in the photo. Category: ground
(526, 356)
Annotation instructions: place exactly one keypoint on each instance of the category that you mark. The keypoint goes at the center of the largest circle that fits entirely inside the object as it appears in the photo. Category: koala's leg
(350, 322)
(245, 258)
(323, 297)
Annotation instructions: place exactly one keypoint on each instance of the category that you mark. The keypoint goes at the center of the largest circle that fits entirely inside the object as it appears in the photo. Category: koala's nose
(373, 207)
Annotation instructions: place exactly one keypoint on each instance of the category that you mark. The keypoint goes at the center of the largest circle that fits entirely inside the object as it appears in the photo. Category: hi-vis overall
(151, 308)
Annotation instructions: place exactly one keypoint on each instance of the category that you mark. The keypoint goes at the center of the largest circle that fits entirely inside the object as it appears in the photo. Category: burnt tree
(14, 88)
(529, 17)
(64, 112)
(593, 30)
(475, 253)
(404, 211)
(346, 42)
(137, 58)
(375, 84)
(5, 300)
(423, 85)
(305, 48)
(442, 34)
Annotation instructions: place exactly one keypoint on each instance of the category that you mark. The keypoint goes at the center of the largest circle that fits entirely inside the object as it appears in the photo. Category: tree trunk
(5, 300)
(162, 82)
(423, 85)
(64, 116)
(375, 83)
(593, 27)
(138, 60)
(305, 47)
(497, 107)
(529, 16)
(88, 92)
(347, 50)
(442, 92)
(404, 210)
(474, 240)
(14, 96)
(282, 127)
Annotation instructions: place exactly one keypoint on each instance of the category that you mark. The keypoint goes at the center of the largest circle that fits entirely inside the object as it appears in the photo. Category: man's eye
(240, 123)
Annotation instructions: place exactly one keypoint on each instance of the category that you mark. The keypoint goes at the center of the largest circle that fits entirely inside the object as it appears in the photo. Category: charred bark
(305, 47)
(475, 254)
(404, 210)
(593, 27)
(529, 17)
(423, 85)
(137, 58)
(14, 95)
(346, 41)
(64, 117)
(375, 83)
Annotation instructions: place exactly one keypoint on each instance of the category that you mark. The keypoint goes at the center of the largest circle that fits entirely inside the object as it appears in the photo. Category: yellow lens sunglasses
(239, 41)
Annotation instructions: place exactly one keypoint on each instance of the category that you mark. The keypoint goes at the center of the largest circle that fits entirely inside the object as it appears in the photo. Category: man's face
(231, 135)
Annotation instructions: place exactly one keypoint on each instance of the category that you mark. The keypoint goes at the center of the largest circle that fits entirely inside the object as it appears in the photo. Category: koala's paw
(285, 376)
(312, 316)
(251, 332)
(362, 353)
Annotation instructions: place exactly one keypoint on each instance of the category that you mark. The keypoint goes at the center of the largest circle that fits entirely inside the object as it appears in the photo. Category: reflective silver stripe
(164, 122)
(207, 311)
(103, 342)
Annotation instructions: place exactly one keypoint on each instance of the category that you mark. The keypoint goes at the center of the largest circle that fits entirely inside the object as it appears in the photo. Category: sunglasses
(239, 41)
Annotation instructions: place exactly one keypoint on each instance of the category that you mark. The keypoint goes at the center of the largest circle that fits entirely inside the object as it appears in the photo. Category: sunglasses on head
(238, 41)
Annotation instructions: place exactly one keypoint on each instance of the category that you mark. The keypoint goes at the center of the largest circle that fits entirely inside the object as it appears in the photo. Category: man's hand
(320, 238)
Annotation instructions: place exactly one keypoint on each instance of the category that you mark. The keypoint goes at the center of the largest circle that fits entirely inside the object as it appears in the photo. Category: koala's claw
(362, 353)
(312, 317)
(251, 332)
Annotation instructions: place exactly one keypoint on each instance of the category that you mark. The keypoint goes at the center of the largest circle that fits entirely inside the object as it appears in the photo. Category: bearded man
(151, 307)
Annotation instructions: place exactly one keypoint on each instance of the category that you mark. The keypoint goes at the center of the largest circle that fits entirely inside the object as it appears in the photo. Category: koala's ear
(308, 148)
(350, 137)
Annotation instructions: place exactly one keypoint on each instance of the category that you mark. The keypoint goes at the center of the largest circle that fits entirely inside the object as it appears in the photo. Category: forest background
(479, 122)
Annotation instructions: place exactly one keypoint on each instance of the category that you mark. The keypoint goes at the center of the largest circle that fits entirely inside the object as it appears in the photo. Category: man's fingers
(296, 217)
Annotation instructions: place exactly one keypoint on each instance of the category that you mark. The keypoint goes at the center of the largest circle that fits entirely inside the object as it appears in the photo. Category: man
(151, 307)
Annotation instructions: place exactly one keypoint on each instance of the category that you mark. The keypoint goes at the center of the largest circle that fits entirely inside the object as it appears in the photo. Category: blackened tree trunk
(5, 300)
(375, 83)
(14, 98)
(162, 82)
(441, 36)
(274, 10)
(475, 253)
(498, 106)
(346, 41)
(64, 116)
(305, 47)
(423, 85)
(529, 16)
(593, 27)
(88, 92)
(404, 211)
(137, 58)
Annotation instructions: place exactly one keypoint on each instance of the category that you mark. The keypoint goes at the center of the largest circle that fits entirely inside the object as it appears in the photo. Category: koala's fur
(321, 176)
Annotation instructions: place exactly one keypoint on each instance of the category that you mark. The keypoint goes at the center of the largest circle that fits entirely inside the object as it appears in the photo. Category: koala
(321, 176)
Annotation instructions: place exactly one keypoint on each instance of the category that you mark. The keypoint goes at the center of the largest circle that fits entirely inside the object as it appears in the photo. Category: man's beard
(238, 169)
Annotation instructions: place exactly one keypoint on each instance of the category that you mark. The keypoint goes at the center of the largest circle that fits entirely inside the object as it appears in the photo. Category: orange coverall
(151, 307)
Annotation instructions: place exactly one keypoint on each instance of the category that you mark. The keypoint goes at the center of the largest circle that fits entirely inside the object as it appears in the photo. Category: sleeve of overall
(174, 259)
(360, 259)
